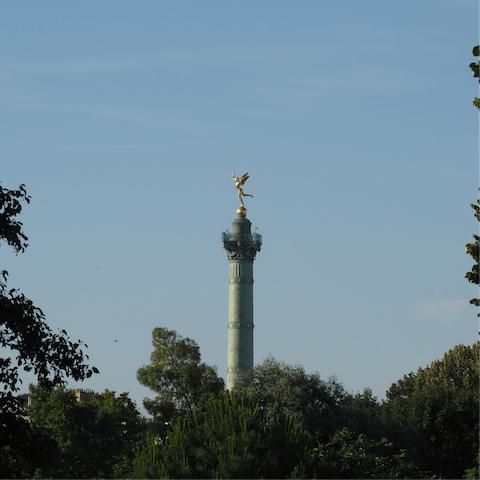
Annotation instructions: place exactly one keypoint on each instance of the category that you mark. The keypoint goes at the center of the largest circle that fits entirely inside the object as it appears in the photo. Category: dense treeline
(281, 422)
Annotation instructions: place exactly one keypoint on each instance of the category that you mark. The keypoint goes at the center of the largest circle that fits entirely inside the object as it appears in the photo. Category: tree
(441, 402)
(312, 402)
(182, 382)
(362, 414)
(473, 249)
(23, 330)
(228, 438)
(348, 455)
(476, 72)
(86, 439)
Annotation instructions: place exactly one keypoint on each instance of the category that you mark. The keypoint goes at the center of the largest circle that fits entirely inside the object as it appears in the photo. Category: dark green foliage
(181, 381)
(333, 418)
(476, 70)
(363, 414)
(50, 356)
(348, 455)
(10, 207)
(473, 473)
(441, 402)
(25, 335)
(473, 249)
(312, 402)
(228, 438)
(87, 439)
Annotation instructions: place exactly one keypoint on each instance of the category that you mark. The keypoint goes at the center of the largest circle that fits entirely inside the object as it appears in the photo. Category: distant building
(24, 400)
(84, 395)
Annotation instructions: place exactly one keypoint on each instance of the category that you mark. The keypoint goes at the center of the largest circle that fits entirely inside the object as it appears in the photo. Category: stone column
(241, 246)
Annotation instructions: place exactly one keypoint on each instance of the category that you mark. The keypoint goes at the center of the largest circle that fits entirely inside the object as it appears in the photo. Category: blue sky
(355, 122)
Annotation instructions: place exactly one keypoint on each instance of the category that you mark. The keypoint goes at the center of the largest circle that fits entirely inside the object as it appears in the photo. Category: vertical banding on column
(241, 246)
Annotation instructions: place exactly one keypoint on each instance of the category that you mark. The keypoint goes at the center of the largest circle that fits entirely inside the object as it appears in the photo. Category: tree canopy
(24, 334)
(230, 437)
(176, 374)
(441, 402)
(93, 439)
(312, 402)
(227, 438)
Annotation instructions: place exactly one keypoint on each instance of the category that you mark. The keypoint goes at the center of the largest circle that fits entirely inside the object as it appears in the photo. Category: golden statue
(239, 182)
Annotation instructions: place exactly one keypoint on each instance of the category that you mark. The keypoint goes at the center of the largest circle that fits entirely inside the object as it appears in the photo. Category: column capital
(241, 247)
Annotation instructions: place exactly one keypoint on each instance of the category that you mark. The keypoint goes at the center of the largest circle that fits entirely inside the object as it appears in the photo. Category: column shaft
(240, 322)
(241, 246)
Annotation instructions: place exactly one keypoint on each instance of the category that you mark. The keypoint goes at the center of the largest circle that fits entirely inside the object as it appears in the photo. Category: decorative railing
(242, 237)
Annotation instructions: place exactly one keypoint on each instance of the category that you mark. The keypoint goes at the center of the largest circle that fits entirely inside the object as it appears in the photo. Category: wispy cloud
(441, 309)
(463, 3)
(281, 59)
(112, 147)
(153, 118)
(77, 66)
(111, 63)
(263, 78)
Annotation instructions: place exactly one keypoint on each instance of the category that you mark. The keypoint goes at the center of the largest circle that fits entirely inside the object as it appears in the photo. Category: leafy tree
(472, 473)
(86, 439)
(441, 402)
(50, 356)
(349, 429)
(473, 249)
(348, 455)
(312, 402)
(230, 437)
(181, 381)
(227, 438)
(476, 70)
(363, 414)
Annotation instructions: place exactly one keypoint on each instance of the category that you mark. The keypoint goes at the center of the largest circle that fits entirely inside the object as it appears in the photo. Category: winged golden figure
(239, 182)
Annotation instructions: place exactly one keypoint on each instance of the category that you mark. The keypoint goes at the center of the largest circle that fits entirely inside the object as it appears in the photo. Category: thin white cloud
(276, 79)
(75, 66)
(156, 119)
(441, 309)
(110, 63)
(112, 147)
(274, 57)
(463, 3)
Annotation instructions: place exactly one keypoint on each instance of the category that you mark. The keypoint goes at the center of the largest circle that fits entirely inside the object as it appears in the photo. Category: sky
(354, 120)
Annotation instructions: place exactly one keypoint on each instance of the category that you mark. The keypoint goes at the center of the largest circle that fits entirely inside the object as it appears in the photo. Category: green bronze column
(241, 246)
